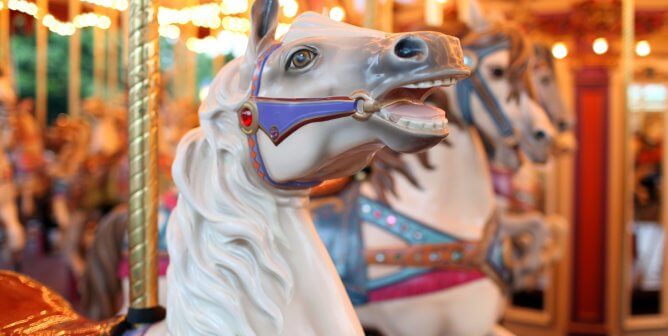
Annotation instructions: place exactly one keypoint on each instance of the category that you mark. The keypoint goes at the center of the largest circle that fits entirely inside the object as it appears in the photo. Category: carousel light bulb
(337, 13)
(442, 1)
(559, 50)
(600, 46)
(643, 48)
(290, 8)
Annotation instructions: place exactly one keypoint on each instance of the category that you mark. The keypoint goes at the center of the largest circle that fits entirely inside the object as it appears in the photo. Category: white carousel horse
(245, 258)
(9, 217)
(429, 249)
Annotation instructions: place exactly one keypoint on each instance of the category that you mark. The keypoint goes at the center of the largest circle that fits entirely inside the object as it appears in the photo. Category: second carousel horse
(417, 255)
(9, 216)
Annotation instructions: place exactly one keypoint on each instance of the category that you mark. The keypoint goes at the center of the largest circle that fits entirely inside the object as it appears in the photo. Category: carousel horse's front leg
(9, 216)
(72, 242)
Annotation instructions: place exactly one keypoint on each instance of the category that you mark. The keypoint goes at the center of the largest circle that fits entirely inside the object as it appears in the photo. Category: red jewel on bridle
(246, 117)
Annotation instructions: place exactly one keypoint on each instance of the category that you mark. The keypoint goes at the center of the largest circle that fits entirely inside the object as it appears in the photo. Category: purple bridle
(280, 117)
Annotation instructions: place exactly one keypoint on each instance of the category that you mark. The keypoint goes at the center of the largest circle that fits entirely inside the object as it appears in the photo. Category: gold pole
(112, 56)
(370, 14)
(463, 10)
(98, 58)
(628, 32)
(74, 88)
(5, 45)
(385, 15)
(143, 77)
(125, 20)
(41, 66)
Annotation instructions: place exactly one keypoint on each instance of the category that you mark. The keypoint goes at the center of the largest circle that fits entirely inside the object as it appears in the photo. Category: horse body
(9, 216)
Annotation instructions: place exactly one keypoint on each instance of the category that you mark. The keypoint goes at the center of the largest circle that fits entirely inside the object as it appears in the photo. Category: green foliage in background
(24, 51)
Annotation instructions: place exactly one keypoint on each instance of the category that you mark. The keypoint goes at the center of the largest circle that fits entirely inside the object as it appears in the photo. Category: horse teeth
(410, 86)
(438, 82)
(404, 122)
(424, 85)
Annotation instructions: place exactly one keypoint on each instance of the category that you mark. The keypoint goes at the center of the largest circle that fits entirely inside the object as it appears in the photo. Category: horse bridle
(280, 117)
(477, 85)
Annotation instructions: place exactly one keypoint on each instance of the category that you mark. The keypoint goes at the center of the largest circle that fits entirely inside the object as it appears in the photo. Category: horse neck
(318, 289)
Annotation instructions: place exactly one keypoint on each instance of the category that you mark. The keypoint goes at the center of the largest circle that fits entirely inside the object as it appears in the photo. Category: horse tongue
(413, 111)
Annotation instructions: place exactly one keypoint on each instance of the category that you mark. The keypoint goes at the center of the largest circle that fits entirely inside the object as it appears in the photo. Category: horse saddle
(30, 308)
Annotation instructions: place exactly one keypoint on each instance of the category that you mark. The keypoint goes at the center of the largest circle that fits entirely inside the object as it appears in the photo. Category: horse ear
(474, 17)
(264, 19)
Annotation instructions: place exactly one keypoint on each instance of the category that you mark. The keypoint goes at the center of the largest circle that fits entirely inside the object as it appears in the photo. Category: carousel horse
(28, 156)
(9, 216)
(419, 245)
(68, 139)
(86, 177)
(107, 259)
(245, 257)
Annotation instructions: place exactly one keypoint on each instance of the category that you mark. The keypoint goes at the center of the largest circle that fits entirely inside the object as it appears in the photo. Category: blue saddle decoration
(339, 226)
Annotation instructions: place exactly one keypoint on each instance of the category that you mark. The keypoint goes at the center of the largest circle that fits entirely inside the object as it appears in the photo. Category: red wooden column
(588, 304)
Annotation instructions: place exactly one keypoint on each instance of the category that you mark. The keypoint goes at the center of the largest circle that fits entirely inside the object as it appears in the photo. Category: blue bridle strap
(280, 117)
(477, 85)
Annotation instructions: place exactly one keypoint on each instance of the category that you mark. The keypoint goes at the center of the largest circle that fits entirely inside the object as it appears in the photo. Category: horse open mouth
(404, 105)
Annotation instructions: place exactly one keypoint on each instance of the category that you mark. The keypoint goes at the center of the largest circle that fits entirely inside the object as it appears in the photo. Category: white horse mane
(226, 271)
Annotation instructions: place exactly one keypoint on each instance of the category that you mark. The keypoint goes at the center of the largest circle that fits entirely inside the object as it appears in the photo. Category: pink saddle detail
(424, 284)
(124, 266)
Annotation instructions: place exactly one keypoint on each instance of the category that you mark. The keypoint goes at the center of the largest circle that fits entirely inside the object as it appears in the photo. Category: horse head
(368, 85)
(544, 78)
(498, 98)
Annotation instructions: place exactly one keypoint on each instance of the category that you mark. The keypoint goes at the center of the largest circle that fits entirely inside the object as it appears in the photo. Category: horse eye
(497, 72)
(301, 59)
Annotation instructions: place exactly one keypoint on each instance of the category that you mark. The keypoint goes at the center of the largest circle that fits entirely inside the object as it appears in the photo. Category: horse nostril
(410, 47)
(540, 135)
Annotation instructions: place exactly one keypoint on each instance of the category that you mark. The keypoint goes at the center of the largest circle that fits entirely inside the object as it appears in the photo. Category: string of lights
(64, 28)
(229, 29)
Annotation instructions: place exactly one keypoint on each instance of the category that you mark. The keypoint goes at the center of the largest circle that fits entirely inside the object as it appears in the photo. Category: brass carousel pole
(143, 80)
(74, 88)
(41, 90)
(5, 44)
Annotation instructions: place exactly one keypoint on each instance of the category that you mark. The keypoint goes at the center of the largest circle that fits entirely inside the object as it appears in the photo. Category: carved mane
(226, 271)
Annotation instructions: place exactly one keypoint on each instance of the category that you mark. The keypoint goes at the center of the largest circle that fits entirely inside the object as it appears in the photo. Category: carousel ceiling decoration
(596, 25)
